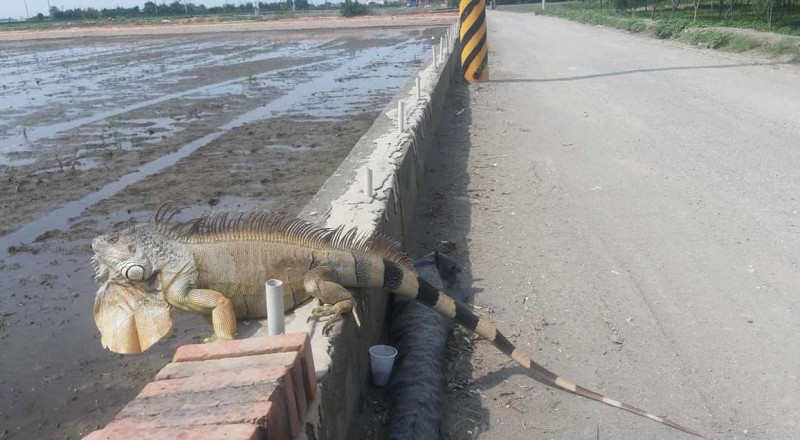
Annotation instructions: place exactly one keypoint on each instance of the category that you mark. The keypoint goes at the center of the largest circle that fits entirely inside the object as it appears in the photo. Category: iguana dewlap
(216, 265)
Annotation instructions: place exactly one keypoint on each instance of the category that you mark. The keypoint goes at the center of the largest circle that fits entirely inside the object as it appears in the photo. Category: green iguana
(216, 265)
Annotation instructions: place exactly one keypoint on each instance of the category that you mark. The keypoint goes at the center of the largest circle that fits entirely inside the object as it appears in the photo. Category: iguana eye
(113, 239)
(135, 273)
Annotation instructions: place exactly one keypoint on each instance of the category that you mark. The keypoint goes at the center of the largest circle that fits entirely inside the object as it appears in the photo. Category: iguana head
(129, 308)
(125, 253)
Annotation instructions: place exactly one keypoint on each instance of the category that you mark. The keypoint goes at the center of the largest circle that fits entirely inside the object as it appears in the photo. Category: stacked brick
(247, 389)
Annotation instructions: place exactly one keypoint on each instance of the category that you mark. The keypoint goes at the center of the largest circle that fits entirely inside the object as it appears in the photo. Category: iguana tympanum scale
(216, 265)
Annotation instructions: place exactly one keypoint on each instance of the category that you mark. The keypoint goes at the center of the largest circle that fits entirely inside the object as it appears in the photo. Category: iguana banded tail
(216, 265)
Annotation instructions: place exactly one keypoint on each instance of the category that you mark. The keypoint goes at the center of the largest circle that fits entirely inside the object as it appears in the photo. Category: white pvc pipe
(275, 317)
(401, 116)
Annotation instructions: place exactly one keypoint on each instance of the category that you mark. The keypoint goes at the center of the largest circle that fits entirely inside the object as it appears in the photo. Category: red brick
(177, 370)
(276, 426)
(299, 386)
(242, 347)
(181, 370)
(309, 371)
(283, 415)
(289, 394)
(221, 432)
(237, 385)
(228, 379)
(200, 401)
(280, 393)
(251, 413)
(265, 397)
(96, 435)
(254, 346)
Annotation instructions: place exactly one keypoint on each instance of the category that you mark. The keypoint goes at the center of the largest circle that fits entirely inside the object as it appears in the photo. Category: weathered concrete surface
(397, 161)
(631, 220)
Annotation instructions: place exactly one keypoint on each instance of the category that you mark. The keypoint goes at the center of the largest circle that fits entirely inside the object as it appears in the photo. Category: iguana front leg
(210, 303)
(321, 283)
(179, 293)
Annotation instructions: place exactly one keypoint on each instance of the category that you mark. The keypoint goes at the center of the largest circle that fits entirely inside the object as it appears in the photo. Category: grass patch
(746, 15)
(710, 39)
(778, 48)
(739, 44)
(670, 28)
(637, 26)
(783, 48)
(683, 28)
(731, 42)
(587, 16)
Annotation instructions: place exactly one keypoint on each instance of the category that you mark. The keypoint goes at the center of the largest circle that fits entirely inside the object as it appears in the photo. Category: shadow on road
(631, 72)
(442, 222)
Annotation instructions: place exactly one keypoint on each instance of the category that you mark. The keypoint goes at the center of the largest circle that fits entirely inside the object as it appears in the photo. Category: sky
(16, 8)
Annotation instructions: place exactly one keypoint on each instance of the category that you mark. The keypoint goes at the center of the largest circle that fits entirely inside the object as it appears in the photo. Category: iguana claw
(321, 311)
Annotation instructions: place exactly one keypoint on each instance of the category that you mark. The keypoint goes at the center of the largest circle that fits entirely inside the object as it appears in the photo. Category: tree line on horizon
(153, 9)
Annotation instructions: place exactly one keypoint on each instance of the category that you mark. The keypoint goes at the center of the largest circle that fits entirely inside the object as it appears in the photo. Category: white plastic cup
(381, 362)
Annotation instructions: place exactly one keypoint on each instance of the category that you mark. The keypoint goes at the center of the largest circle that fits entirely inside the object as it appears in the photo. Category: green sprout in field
(14, 178)
(251, 75)
(111, 137)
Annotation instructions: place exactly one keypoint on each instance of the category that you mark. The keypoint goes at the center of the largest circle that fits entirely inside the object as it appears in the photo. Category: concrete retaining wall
(397, 161)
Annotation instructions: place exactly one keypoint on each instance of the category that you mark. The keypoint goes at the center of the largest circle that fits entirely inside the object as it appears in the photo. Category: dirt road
(629, 212)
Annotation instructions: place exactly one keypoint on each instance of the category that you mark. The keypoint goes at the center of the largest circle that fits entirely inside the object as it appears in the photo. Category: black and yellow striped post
(474, 50)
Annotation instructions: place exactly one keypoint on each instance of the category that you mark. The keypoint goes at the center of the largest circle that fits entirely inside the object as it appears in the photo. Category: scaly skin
(217, 265)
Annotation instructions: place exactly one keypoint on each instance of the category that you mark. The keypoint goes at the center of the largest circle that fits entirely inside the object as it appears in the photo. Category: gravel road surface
(628, 209)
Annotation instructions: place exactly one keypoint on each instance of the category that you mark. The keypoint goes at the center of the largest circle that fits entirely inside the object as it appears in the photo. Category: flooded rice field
(97, 133)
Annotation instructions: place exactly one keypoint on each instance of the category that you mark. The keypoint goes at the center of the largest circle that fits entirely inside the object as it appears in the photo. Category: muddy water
(95, 134)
